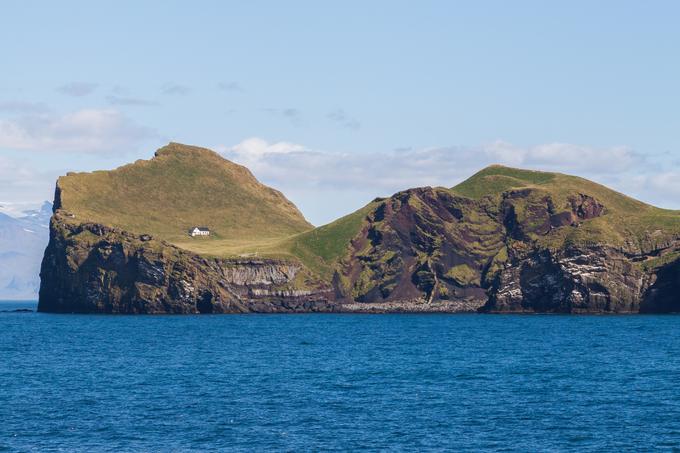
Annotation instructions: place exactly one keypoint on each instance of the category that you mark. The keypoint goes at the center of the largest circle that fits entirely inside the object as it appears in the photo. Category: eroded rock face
(92, 268)
(423, 244)
(663, 292)
(429, 245)
(576, 280)
(529, 211)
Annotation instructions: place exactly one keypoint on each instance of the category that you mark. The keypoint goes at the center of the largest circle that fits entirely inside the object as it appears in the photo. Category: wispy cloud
(77, 89)
(289, 113)
(340, 117)
(255, 149)
(175, 89)
(86, 131)
(23, 186)
(23, 107)
(350, 179)
(130, 101)
(231, 86)
(405, 167)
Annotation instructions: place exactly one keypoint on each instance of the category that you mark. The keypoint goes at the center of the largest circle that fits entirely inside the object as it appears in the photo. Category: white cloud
(669, 180)
(88, 130)
(404, 168)
(11, 170)
(253, 149)
(23, 186)
(565, 156)
(17, 209)
(349, 180)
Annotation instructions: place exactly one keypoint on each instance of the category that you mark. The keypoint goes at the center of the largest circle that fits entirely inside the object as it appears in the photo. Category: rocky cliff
(92, 268)
(521, 250)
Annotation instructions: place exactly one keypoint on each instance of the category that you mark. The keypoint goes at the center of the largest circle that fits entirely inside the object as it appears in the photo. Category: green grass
(496, 179)
(321, 247)
(184, 186)
(463, 274)
(625, 218)
(318, 249)
(656, 263)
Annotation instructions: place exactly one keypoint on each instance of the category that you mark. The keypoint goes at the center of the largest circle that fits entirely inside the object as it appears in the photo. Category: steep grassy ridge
(624, 218)
(320, 248)
(183, 186)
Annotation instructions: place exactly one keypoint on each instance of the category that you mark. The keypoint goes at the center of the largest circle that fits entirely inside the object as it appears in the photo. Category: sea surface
(94, 383)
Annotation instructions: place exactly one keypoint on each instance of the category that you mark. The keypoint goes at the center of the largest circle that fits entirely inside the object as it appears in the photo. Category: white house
(199, 231)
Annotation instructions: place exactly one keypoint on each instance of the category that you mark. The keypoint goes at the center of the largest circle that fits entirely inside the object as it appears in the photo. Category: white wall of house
(197, 232)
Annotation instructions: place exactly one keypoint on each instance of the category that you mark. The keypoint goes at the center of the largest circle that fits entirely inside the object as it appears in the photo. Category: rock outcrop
(500, 255)
(576, 280)
(92, 268)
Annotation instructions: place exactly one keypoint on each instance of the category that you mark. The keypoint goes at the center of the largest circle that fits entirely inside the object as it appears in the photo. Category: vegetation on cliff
(623, 218)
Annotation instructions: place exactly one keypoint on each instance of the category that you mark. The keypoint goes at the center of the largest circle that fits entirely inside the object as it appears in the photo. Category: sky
(335, 103)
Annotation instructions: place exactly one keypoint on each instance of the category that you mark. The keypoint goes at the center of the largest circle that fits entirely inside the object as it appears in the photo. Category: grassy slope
(625, 218)
(321, 247)
(181, 187)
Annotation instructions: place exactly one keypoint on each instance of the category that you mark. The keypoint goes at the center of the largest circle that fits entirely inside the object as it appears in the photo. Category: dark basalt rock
(414, 239)
(430, 245)
(576, 280)
(663, 292)
(92, 268)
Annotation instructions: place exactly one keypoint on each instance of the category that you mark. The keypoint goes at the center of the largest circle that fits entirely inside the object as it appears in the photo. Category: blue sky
(335, 103)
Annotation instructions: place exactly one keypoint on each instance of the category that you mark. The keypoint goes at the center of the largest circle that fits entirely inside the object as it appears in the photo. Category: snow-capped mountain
(23, 239)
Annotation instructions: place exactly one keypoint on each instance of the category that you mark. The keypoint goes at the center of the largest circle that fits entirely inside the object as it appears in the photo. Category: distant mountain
(22, 243)
(40, 217)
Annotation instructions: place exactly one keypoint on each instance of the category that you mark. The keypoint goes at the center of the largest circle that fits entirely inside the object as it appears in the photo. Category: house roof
(200, 228)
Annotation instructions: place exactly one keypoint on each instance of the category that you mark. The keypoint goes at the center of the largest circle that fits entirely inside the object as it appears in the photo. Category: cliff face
(576, 280)
(92, 268)
(423, 244)
(427, 246)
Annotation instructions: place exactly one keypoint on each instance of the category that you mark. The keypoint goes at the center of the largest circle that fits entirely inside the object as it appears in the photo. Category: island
(191, 232)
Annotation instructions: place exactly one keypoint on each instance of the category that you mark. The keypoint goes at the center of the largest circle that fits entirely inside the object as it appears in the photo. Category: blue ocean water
(338, 382)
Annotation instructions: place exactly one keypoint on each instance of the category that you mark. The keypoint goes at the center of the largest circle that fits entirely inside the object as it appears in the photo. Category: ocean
(323, 382)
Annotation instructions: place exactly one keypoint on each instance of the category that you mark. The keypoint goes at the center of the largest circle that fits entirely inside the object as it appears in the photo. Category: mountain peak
(175, 148)
(182, 186)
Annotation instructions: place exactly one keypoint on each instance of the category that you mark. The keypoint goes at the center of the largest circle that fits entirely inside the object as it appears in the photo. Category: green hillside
(181, 187)
(624, 219)
(320, 248)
